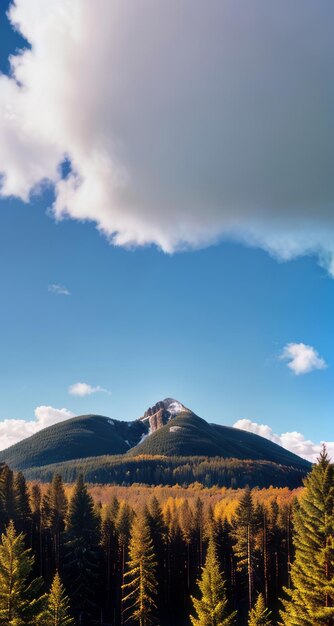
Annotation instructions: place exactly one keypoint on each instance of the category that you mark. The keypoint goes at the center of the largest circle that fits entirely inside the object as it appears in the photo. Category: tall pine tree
(82, 547)
(22, 504)
(21, 602)
(244, 548)
(140, 587)
(311, 599)
(259, 615)
(212, 607)
(54, 513)
(57, 611)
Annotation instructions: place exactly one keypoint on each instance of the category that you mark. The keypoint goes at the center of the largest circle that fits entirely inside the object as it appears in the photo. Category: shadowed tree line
(71, 561)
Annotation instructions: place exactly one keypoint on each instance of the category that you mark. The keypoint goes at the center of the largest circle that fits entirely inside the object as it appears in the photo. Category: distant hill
(167, 435)
(189, 435)
(75, 438)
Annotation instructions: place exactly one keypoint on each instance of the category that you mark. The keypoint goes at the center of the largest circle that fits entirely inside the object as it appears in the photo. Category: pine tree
(212, 607)
(311, 599)
(123, 526)
(259, 615)
(22, 504)
(244, 535)
(54, 510)
(57, 612)
(109, 545)
(8, 494)
(158, 533)
(140, 589)
(36, 534)
(20, 601)
(82, 542)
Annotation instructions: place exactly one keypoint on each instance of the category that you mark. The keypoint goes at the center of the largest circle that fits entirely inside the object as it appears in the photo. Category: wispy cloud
(294, 441)
(302, 359)
(14, 430)
(83, 389)
(146, 165)
(59, 290)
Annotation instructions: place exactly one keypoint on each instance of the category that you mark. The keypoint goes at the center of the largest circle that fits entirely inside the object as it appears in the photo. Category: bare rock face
(158, 415)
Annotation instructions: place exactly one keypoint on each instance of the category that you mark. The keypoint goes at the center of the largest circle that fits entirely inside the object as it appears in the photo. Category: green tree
(212, 607)
(57, 612)
(82, 545)
(311, 599)
(259, 615)
(244, 536)
(54, 509)
(140, 590)
(21, 602)
(8, 493)
(22, 504)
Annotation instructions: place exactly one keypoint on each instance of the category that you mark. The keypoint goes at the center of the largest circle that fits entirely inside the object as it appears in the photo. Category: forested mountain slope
(75, 438)
(108, 448)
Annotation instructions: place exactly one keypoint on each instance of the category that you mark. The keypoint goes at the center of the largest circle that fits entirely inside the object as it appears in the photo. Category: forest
(175, 470)
(89, 555)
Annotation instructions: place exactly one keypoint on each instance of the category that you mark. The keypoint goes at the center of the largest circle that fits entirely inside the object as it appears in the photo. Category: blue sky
(206, 325)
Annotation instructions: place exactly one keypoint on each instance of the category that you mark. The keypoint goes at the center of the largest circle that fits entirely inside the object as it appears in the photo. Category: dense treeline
(160, 470)
(69, 559)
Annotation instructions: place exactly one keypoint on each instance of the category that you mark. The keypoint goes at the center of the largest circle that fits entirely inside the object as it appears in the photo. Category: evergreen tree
(140, 590)
(212, 607)
(36, 534)
(311, 599)
(20, 601)
(54, 513)
(259, 615)
(8, 493)
(158, 533)
(22, 504)
(57, 612)
(109, 545)
(123, 526)
(244, 536)
(82, 541)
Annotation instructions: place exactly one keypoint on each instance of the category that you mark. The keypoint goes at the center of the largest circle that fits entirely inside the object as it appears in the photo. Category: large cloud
(183, 122)
(14, 430)
(294, 441)
(302, 359)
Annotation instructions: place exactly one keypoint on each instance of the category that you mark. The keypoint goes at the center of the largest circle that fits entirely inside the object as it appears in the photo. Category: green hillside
(75, 438)
(189, 435)
(169, 444)
(185, 470)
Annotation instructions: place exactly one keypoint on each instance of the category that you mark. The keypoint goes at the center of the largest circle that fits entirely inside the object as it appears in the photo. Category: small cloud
(293, 441)
(59, 290)
(14, 430)
(83, 389)
(302, 359)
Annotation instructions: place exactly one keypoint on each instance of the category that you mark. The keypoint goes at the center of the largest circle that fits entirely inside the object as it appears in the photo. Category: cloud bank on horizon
(14, 430)
(293, 441)
(181, 125)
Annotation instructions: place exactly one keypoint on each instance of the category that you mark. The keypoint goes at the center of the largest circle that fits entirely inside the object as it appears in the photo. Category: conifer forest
(81, 555)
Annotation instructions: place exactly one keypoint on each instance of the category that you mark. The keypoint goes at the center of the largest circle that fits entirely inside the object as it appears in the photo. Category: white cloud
(14, 430)
(59, 290)
(83, 389)
(293, 441)
(182, 124)
(302, 359)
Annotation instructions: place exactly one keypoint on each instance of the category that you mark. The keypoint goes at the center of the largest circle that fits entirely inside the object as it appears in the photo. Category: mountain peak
(161, 412)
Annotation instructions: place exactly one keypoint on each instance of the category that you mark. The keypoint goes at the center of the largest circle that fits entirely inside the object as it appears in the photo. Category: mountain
(75, 438)
(168, 434)
(187, 434)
